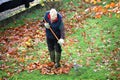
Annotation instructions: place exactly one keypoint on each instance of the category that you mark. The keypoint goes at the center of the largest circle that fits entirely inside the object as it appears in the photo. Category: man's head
(53, 14)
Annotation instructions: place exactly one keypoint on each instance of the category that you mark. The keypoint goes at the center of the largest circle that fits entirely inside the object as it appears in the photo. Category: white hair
(53, 14)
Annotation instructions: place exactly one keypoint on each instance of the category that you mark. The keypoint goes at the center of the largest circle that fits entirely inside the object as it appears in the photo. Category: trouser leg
(58, 55)
(53, 47)
(52, 56)
(50, 44)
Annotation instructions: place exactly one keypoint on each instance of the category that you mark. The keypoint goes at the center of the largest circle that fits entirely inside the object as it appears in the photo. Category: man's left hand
(61, 41)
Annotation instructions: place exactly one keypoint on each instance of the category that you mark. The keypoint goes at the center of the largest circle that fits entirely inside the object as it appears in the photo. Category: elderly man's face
(53, 17)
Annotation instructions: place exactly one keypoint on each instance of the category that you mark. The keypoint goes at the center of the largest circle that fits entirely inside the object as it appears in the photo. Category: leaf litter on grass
(20, 40)
(17, 42)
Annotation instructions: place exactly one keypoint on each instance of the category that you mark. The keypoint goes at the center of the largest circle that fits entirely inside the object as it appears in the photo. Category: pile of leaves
(108, 9)
(49, 68)
(25, 36)
(92, 1)
(16, 43)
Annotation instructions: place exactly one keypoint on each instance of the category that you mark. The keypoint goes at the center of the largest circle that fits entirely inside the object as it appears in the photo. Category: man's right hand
(47, 25)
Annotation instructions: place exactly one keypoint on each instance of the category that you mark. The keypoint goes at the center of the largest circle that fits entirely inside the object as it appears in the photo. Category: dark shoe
(57, 65)
(57, 60)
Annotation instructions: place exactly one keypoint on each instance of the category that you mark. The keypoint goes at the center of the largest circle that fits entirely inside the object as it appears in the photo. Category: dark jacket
(57, 27)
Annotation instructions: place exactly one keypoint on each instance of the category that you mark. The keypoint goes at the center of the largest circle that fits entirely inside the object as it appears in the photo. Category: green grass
(95, 29)
(37, 76)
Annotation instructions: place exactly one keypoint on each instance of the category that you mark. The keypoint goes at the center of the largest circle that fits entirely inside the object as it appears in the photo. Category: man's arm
(62, 30)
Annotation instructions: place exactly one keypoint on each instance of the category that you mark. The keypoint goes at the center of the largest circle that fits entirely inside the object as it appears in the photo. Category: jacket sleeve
(45, 17)
(62, 30)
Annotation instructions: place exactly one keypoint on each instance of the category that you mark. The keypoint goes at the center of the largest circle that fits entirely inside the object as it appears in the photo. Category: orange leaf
(95, 9)
(21, 60)
(104, 10)
(44, 71)
(98, 16)
(98, 1)
(107, 6)
(112, 4)
(51, 64)
(60, 70)
(66, 70)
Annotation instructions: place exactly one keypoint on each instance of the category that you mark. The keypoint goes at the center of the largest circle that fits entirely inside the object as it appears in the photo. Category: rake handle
(52, 32)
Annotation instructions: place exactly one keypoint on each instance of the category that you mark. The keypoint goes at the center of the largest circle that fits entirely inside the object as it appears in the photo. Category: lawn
(91, 50)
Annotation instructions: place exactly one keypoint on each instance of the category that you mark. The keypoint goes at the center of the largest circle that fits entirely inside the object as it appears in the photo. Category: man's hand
(61, 41)
(47, 25)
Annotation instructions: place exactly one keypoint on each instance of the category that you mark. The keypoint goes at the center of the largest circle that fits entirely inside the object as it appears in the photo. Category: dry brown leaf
(12, 51)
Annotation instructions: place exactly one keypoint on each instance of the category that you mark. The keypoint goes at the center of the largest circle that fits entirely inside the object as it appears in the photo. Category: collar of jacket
(50, 19)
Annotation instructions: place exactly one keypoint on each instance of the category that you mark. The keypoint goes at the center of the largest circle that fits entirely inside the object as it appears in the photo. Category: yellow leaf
(87, 1)
(57, 0)
(29, 40)
(43, 4)
(28, 43)
(94, 2)
(118, 15)
(110, 15)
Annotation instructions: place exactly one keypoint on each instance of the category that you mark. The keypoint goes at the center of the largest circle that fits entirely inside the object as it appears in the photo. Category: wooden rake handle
(52, 32)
